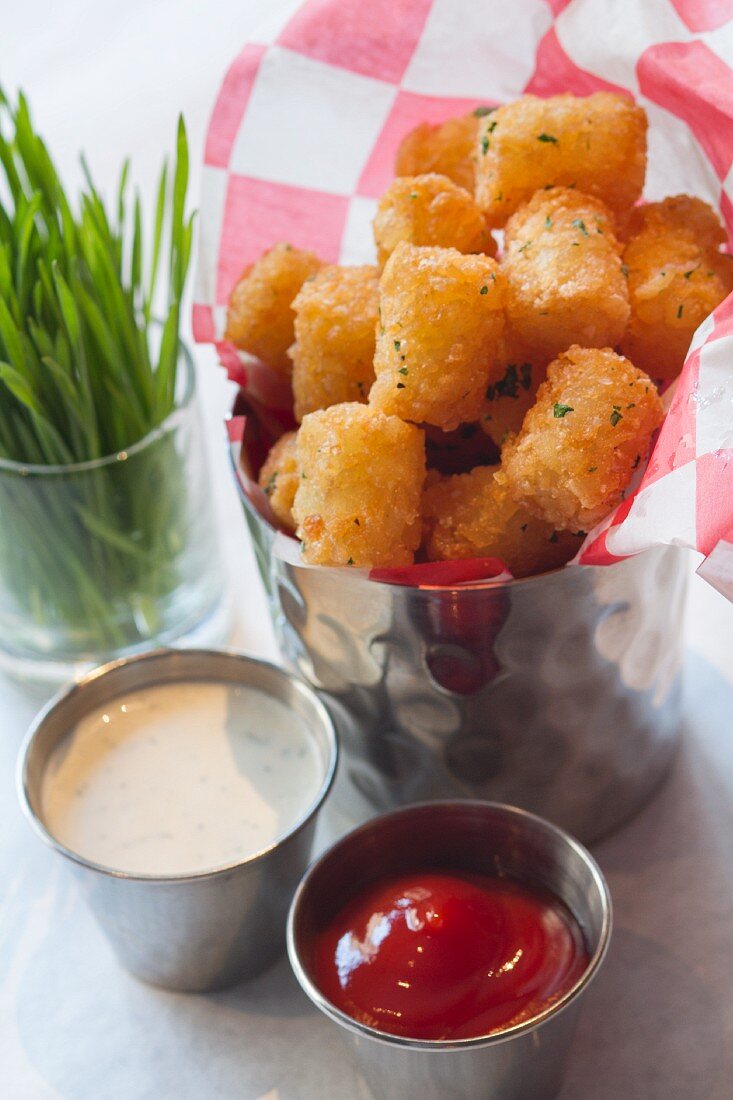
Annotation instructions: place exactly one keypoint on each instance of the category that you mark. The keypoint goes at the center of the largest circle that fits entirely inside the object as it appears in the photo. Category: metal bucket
(558, 693)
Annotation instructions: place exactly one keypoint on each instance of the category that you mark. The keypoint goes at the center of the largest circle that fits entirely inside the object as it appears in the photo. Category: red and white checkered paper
(302, 141)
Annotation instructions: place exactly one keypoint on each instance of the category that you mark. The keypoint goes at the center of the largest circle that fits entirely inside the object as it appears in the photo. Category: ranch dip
(179, 778)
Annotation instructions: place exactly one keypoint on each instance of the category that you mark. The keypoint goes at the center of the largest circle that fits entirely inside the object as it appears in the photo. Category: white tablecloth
(658, 1024)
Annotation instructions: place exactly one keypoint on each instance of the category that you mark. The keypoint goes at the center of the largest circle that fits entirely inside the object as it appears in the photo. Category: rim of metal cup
(554, 1009)
(35, 469)
(73, 691)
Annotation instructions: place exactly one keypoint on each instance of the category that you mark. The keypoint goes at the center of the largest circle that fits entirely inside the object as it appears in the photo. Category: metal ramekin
(524, 1062)
(186, 931)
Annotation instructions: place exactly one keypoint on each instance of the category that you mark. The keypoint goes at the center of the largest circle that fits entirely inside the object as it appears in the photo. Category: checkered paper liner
(302, 140)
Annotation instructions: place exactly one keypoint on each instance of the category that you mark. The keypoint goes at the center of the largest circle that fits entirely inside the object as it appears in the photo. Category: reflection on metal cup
(523, 1062)
(559, 693)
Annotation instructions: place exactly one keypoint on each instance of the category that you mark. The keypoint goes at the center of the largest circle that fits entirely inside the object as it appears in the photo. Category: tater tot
(358, 501)
(448, 148)
(335, 332)
(583, 438)
(513, 391)
(565, 283)
(595, 143)
(473, 515)
(677, 276)
(279, 478)
(441, 320)
(260, 318)
(429, 210)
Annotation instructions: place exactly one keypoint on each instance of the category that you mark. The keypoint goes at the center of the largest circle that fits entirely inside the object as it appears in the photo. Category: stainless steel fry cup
(524, 1062)
(190, 931)
(559, 693)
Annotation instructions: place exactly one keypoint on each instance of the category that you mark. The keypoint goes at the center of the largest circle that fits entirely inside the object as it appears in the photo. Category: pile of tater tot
(452, 404)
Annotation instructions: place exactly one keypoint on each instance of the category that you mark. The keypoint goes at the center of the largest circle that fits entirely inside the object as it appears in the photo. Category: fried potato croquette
(279, 477)
(260, 318)
(358, 501)
(595, 143)
(563, 271)
(447, 148)
(513, 391)
(441, 320)
(581, 441)
(677, 276)
(429, 210)
(473, 515)
(335, 333)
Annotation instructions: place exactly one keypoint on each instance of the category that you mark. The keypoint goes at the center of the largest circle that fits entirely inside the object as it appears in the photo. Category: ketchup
(448, 956)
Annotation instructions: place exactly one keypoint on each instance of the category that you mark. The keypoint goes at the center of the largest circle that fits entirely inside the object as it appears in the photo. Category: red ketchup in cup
(449, 956)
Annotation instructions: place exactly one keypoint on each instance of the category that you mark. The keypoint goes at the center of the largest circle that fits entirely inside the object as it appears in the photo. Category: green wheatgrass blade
(79, 382)
(157, 240)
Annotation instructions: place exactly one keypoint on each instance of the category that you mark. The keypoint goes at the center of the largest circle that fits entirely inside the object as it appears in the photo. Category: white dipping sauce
(179, 778)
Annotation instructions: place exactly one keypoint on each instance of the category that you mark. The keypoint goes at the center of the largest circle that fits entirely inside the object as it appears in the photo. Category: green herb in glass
(87, 373)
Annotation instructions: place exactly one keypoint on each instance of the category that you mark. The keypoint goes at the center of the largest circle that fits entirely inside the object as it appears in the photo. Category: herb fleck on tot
(580, 224)
(400, 385)
(484, 145)
(559, 411)
(397, 345)
(508, 386)
(616, 415)
(554, 537)
(403, 370)
(679, 311)
(624, 271)
(350, 561)
(637, 460)
(548, 223)
(547, 138)
(480, 112)
(484, 290)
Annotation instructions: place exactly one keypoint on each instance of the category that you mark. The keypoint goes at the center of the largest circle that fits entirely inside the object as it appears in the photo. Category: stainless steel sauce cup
(524, 1062)
(188, 931)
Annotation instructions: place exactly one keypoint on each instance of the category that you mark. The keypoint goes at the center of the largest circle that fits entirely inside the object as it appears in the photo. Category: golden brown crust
(429, 210)
(335, 332)
(447, 148)
(565, 283)
(474, 515)
(279, 478)
(441, 320)
(358, 501)
(677, 276)
(260, 318)
(596, 144)
(583, 438)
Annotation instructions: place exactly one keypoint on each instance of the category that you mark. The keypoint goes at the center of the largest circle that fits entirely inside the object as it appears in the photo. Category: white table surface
(658, 1024)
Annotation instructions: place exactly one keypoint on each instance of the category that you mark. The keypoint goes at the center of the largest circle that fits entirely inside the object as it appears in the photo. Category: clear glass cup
(105, 558)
